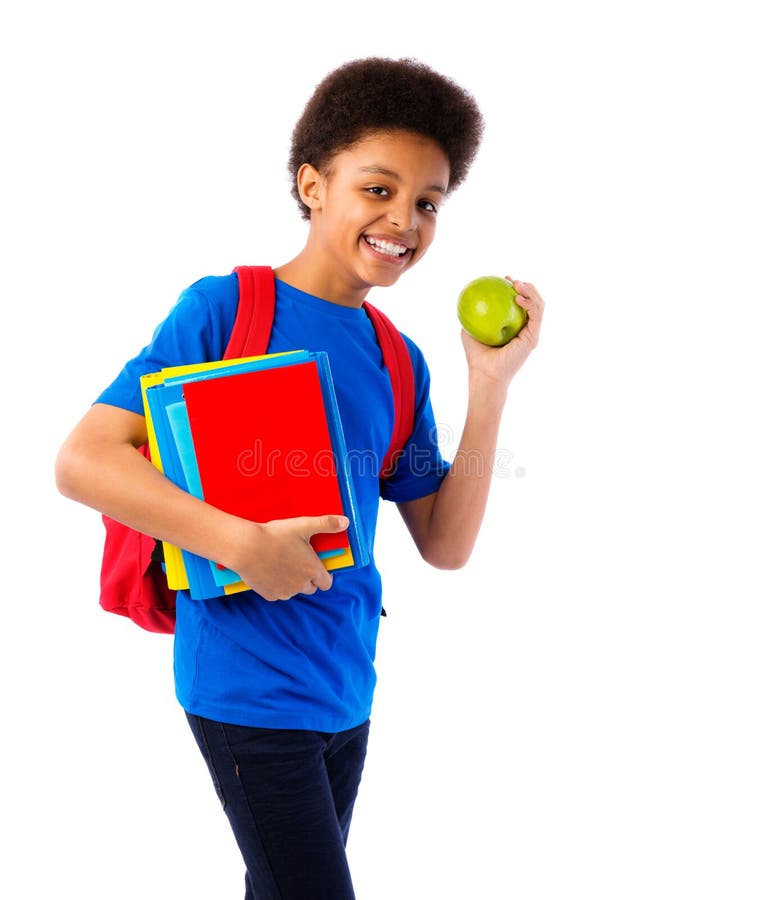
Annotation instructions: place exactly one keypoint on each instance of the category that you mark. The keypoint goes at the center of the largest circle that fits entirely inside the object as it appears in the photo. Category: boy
(278, 694)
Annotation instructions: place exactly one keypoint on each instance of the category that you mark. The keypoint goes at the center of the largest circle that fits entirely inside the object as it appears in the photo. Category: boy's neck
(306, 273)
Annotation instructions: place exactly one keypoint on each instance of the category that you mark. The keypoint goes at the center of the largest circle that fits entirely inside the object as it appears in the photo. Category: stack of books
(260, 438)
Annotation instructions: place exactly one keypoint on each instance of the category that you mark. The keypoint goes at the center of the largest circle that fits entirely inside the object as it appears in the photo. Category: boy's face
(374, 209)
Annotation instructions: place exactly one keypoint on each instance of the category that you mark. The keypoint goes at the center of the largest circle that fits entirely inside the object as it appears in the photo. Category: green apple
(488, 310)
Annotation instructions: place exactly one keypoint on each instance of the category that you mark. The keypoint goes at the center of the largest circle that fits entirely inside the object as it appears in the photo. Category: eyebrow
(380, 170)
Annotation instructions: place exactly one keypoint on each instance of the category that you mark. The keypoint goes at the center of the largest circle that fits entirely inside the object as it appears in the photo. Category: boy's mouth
(387, 248)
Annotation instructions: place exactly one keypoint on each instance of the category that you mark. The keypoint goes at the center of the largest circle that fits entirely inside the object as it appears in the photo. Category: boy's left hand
(500, 364)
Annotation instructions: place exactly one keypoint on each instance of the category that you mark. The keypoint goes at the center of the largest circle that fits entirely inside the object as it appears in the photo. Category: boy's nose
(403, 216)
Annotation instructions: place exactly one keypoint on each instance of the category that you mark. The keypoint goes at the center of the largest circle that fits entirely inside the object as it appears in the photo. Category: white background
(577, 712)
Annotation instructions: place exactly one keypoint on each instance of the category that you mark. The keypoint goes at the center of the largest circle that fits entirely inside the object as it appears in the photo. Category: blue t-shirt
(307, 662)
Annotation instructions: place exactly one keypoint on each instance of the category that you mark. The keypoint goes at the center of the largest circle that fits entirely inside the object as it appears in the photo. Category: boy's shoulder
(214, 287)
(210, 297)
(210, 303)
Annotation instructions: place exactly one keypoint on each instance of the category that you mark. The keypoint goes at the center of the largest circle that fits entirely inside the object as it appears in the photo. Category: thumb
(326, 524)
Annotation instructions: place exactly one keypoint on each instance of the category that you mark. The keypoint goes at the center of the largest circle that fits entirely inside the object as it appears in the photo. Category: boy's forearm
(460, 503)
(121, 483)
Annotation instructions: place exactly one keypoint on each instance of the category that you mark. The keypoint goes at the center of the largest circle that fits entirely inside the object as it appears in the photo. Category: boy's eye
(379, 191)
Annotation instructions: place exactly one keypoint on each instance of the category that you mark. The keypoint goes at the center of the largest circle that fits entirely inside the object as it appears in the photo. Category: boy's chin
(383, 276)
(387, 279)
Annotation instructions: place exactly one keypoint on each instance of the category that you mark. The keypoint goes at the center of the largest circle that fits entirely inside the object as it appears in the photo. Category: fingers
(322, 581)
(529, 297)
(324, 524)
(528, 292)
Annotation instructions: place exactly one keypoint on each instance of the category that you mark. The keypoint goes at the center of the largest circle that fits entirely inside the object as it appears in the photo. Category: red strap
(256, 309)
(397, 360)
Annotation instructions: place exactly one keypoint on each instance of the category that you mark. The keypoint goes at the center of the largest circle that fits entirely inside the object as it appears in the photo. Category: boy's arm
(99, 466)
(445, 524)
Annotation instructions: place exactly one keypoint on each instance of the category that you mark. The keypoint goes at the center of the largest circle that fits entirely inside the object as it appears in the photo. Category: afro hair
(379, 94)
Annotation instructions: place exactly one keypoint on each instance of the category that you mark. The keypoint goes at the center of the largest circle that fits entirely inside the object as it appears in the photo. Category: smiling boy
(278, 694)
(372, 214)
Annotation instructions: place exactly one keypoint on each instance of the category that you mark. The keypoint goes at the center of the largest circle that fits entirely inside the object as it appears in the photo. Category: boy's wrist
(483, 390)
(236, 541)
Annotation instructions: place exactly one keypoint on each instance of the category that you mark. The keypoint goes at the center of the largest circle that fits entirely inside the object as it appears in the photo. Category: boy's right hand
(277, 560)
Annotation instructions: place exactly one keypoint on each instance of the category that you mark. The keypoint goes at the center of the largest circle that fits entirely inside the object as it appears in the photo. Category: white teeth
(387, 247)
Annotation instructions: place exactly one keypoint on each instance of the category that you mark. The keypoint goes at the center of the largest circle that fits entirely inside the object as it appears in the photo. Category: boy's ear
(310, 182)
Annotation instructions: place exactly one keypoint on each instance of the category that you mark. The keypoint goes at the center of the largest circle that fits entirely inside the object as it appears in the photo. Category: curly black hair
(380, 94)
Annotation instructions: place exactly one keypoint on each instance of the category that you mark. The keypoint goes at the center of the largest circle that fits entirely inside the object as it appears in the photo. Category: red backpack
(133, 582)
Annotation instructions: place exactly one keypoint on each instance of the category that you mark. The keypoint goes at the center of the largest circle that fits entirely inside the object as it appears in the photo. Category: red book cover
(263, 447)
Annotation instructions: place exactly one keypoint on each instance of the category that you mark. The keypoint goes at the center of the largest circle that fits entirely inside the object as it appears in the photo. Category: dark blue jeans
(289, 797)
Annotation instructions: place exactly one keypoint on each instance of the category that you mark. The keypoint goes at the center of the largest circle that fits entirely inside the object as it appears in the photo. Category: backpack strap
(397, 360)
(254, 320)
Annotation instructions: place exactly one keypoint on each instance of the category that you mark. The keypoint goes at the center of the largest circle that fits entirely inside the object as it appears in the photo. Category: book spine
(357, 540)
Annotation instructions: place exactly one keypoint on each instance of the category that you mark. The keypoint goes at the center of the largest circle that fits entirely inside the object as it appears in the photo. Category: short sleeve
(420, 469)
(197, 329)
